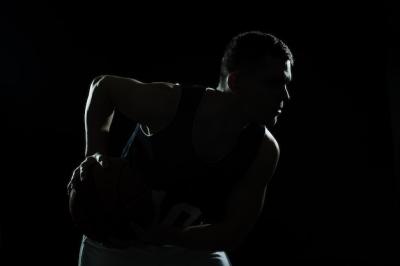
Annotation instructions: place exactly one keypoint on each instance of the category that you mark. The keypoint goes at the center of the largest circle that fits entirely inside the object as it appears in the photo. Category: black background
(334, 198)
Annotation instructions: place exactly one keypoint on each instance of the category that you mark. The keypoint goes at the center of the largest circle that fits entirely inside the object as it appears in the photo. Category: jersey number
(181, 214)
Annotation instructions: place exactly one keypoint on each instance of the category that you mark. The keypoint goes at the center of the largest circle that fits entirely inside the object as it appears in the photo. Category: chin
(268, 120)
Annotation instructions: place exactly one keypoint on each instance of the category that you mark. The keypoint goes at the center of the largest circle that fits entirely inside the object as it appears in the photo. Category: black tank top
(190, 191)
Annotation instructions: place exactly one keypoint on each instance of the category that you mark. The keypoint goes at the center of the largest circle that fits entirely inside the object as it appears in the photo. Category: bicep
(138, 101)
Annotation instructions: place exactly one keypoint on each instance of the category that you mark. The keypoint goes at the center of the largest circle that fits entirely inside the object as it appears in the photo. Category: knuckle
(74, 176)
(88, 159)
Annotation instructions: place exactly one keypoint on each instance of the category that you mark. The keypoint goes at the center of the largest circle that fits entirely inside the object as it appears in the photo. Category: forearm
(99, 113)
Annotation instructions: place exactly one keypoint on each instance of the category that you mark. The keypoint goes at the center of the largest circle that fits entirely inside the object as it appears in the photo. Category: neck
(229, 109)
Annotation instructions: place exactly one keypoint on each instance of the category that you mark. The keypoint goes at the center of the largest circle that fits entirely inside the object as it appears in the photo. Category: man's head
(257, 67)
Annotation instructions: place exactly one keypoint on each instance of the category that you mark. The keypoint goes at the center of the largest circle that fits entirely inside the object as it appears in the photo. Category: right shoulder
(149, 103)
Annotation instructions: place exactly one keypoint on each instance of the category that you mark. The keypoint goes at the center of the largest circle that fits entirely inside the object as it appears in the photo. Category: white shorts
(93, 253)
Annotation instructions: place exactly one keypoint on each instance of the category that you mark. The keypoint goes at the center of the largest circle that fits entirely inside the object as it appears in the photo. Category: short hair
(247, 51)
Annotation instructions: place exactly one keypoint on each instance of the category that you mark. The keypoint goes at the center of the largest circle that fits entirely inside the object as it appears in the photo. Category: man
(208, 152)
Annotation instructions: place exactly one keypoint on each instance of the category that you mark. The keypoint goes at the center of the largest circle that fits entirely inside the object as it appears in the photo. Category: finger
(85, 165)
(88, 161)
(70, 180)
(102, 160)
(74, 177)
(83, 172)
(73, 180)
(69, 187)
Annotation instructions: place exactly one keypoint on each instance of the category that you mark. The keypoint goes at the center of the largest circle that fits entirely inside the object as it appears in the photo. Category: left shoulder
(266, 160)
(269, 146)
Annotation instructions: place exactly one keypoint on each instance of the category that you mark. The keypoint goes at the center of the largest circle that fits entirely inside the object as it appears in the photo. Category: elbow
(101, 86)
(98, 91)
(97, 79)
(99, 107)
(98, 86)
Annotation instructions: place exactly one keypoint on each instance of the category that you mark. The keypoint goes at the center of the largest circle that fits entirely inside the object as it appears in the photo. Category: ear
(233, 81)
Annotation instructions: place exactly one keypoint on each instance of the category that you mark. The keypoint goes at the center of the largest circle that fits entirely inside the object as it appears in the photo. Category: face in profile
(266, 90)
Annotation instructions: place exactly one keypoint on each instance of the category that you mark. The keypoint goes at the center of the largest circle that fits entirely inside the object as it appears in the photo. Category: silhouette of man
(206, 154)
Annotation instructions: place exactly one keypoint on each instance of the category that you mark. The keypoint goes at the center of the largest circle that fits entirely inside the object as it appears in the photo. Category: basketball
(104, 203)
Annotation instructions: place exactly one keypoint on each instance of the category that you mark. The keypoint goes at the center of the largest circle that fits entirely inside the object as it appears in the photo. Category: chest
(206, 142)
(212, 142)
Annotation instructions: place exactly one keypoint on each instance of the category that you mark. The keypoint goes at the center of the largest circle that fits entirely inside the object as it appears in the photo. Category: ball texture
(105, 203)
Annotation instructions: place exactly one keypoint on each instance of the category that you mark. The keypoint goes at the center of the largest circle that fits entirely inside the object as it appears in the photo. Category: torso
(211, 140)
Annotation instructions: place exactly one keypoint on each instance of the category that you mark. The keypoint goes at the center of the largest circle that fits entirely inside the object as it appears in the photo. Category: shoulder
(266, 159)
(265, 142)
(269, 145)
